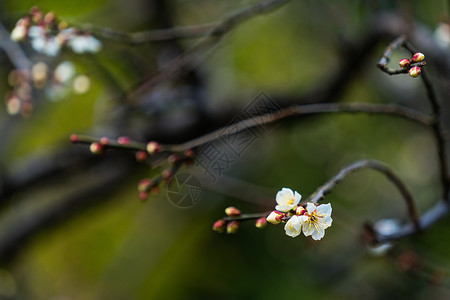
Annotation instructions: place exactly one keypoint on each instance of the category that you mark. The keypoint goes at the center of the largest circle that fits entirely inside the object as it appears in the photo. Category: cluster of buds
(47, 35)
(312, 220)
(229, 224)
(164, 160)
(414, 71)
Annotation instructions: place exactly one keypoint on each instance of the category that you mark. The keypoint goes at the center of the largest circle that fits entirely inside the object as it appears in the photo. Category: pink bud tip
(404, 63)
(145, 184)
(143, 196)
(173, 159)
(261, 223)
(232, 227)
(167, 174)
(415, 72)
(153, 147)
(219, 225)
(418, 57)
(232, 211)
(74, 138)
(123, 140)
(97, 148)
(141, 156)
(104, 141)
(300, 210)
(189, 153)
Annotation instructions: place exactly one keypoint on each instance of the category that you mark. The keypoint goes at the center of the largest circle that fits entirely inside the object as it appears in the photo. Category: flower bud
(19, 33)
(275, 217)
(97, 148)
(414, 72)
(418, 57)
(232, 227)
(143, 196)
(404, 63)
(144, 184)
(104, 141)
(219, 225)
(153, 147)
(189, 153)
(49, 17)
(167, 174)
(74, 138)
(232, 211)
(300, 210)
(123, 140)
(141, 156)
(261, 223)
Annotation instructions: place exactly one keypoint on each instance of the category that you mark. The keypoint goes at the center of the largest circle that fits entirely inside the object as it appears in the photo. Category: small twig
(436, 126)
(299, 110)
(246, 217)
(148, 36)
(111, 144)
(323, 190)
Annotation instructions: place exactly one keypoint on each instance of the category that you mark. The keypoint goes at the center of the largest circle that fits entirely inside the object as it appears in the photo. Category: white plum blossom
(84, 43)
(19, 33)
(64, 72)
(293, 227)
(315, 220)
(287, 200)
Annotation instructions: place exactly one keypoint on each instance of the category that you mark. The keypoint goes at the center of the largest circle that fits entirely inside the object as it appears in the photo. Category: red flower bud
(418, 57)
(145, 184)
(141, 156)
(153, 147)
(219, 225)
(232, 211)
(261, 222)
(232, 227)
(404, 63)
(104, 141)
(97, 148)
(415, 72)
(123, 140)
(74, 138)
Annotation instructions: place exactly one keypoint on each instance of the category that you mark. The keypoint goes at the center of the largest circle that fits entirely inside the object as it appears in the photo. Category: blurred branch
(323, 190)
(12, 49)
(143, 37)
(220, 30)
(23, 229)
(300, 110)
(429, 218)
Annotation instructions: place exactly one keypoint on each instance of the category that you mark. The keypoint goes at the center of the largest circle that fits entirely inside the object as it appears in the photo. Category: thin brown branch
(300, 110)
(323, 190)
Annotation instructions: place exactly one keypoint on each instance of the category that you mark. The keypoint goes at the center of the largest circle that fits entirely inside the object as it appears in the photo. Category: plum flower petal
(293, 227)
(316, 220)
(287, 200)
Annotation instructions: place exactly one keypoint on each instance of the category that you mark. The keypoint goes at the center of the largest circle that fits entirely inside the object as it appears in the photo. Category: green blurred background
(121, 248)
